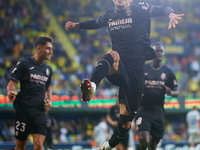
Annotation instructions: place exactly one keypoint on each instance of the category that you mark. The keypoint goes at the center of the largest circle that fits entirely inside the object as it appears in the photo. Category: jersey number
(22, 129)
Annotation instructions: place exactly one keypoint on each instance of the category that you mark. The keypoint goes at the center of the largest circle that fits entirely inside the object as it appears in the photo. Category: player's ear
(38, 48)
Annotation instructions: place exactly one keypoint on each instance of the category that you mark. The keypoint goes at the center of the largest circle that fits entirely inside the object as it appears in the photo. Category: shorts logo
(139, 121)
(163, 76)
(47, 72)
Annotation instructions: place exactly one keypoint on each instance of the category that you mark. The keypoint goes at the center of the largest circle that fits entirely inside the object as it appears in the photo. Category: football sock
(107, 146)
(93, 87)
(118, 135)
(102, 68)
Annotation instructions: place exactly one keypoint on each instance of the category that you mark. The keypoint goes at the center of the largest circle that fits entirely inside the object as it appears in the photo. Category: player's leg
(144, 127)
(20, 145)
(107, 65)
(157, 132)
(22, 129)
(38, 141)
(192, 138)
(39, 130)
(119, 147)
(144, 140)
(125, 141)
(121, 130)
(154, 142)
(48, 139)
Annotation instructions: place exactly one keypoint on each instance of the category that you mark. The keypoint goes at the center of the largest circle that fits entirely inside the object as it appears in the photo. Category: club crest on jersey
(163, 76)
(47, 72)
(128, 12)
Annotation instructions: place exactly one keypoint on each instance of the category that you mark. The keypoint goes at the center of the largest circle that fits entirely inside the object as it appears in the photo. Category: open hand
(173, 19)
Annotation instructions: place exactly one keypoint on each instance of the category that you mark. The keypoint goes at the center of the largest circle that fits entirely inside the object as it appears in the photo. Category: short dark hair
(194, 107)
(43, 40)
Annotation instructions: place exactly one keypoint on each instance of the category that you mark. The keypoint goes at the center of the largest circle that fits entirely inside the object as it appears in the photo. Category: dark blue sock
(118, 135)
(102, 69)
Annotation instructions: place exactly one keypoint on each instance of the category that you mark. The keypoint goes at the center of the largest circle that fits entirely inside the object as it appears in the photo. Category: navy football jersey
(154, 90)
(130, 30)
(34, 79)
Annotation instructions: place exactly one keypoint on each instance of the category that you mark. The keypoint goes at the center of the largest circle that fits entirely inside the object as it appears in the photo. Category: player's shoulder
(190, 113)
(167, 69)
(110, 12)
(147, 66)
(48, 66)
(23, 62)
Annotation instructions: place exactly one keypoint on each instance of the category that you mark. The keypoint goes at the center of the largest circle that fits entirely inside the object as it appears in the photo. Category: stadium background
(76, 53)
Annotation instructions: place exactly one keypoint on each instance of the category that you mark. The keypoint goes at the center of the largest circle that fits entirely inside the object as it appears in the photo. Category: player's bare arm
(48, 104)
(173, 93)
(173, 19)
(70, 25)
(11, 89)
(160, 11)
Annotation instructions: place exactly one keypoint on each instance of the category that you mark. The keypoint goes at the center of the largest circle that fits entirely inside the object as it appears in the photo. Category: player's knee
(125, 121)
(144, 142)
(126, 125)
(38, 145)
(20, 147)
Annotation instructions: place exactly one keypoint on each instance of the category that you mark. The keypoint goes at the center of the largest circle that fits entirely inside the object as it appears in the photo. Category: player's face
(159, 50)
(46, 51)
(122, 4)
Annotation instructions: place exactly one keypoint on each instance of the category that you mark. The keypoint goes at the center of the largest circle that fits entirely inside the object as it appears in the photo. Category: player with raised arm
(35, 79)
(123, 66)
(159, 80)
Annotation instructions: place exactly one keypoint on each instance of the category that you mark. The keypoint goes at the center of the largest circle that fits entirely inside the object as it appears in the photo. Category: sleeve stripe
(14, 79)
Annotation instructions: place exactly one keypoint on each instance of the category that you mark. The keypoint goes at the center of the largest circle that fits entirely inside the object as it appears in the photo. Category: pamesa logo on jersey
(38, 77)
(120, 22)
(154, 82)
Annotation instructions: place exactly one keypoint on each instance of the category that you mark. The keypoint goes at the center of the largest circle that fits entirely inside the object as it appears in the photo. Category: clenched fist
(11, 94)
(47, 106)
(70, 25)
